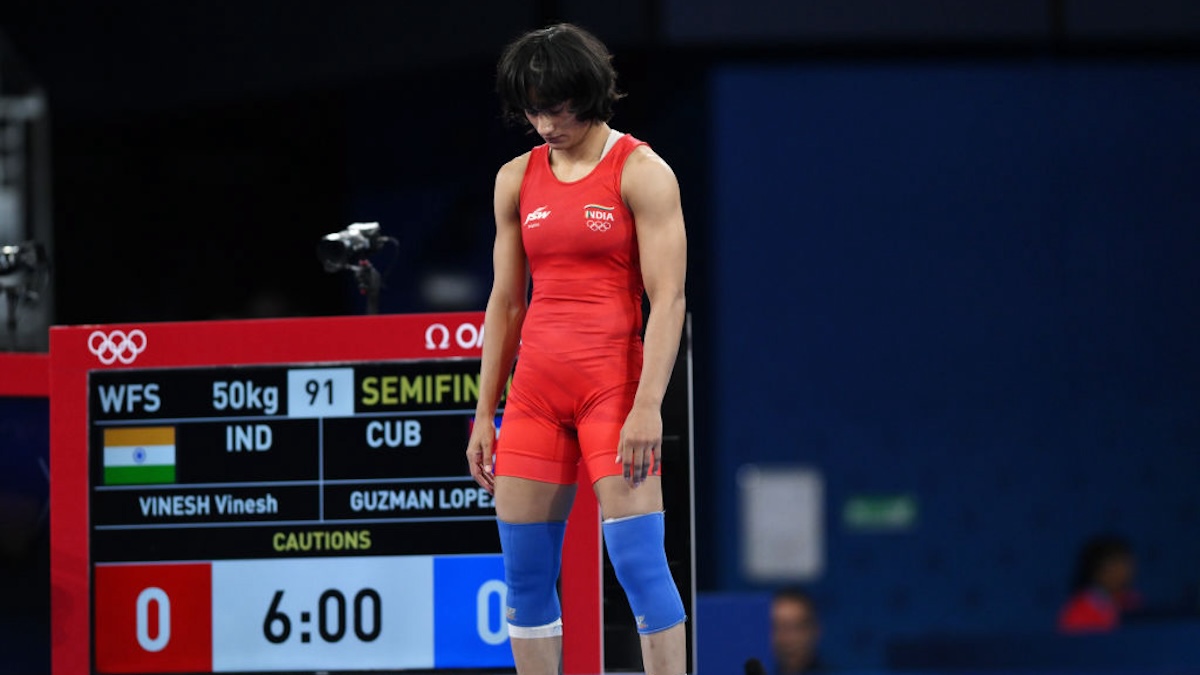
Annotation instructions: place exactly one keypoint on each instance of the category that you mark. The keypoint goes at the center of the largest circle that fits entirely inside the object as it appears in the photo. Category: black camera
(348, 248)
(27, 256)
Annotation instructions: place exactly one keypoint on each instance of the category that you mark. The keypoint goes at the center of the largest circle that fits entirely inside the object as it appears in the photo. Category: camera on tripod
(350, 247)
(348, 250)
(24, 257)
(24, 273)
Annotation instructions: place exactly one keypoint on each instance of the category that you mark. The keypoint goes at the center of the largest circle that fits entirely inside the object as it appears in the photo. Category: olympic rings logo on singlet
(117, 346)
(597, 226)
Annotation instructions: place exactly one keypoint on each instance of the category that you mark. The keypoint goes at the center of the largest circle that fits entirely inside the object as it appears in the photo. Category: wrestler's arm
(505, 313)
(652, 193)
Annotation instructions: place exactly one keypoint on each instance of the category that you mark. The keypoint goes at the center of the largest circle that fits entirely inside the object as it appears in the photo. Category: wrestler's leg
(633, 531)
(532, 517)
(535, 487)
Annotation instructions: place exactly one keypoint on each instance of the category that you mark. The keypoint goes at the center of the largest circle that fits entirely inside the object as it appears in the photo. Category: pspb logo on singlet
(535, 217)
(599, 218)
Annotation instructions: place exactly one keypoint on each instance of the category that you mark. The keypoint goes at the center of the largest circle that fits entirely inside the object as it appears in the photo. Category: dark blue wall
(974, 283)
(24, 540)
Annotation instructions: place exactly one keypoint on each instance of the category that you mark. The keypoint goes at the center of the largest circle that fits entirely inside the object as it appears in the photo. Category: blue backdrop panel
(972, 283)
(24, 548)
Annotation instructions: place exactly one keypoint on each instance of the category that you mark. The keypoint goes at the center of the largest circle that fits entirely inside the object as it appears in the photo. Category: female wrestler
(594, 217)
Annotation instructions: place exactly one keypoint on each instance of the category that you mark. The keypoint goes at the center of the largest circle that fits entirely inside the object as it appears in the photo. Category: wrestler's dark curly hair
(557, 64)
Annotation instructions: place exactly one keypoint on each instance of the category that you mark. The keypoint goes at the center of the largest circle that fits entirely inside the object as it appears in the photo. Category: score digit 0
(331, 617)
(159, 597)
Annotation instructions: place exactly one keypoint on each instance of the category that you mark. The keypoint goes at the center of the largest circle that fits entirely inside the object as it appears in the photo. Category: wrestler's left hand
(640, 448)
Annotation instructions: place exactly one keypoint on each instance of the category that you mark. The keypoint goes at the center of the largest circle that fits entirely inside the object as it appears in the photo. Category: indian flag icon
(139, 455)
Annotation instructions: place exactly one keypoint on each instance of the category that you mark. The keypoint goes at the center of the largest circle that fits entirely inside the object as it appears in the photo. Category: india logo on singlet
(599, 218)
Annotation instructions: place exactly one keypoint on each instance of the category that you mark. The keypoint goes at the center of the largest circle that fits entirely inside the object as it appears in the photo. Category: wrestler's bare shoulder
(645, 171)
(513, 171)
(644, 161)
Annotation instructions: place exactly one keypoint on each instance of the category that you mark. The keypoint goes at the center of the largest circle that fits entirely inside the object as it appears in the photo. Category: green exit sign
(880, 513)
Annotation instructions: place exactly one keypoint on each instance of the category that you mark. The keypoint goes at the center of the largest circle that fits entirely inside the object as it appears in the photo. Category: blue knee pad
(532, 559)
(635, 546)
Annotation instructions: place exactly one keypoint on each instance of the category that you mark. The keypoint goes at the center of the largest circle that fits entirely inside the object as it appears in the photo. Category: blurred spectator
(795, 632)
(1102, 588)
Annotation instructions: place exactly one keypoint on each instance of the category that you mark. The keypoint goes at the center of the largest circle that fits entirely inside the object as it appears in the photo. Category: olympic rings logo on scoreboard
(466, 336)
(117, 345)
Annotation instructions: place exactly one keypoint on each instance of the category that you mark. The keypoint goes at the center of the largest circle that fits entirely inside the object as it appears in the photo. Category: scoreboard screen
(292, 495)
(293, 517)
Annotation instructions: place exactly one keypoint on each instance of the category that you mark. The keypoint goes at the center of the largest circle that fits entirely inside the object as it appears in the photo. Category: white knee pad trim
(552, 629)
(636, 515)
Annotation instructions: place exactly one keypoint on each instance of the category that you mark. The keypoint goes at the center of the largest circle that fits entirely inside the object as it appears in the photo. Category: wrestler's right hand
(479, 453)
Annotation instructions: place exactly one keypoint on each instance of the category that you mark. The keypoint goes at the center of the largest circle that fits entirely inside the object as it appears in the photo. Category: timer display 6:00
(366, 615)
(286, 615)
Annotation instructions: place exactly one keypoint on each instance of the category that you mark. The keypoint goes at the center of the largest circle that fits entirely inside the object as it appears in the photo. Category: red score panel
(153, 618)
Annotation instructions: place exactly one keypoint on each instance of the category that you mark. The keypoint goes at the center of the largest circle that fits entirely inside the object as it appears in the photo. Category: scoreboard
(328, 504)
(286, 496)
